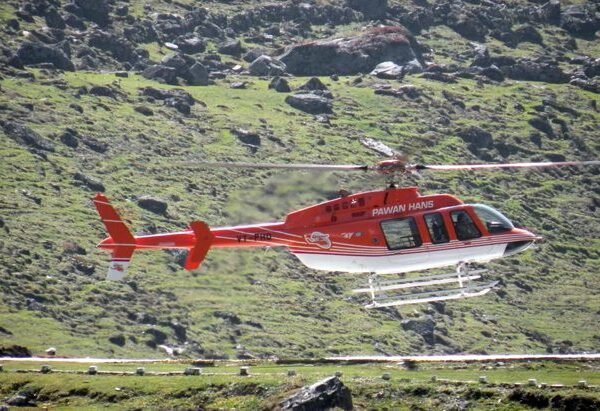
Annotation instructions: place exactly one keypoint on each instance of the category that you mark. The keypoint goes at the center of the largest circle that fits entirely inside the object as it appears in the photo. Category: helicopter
(394, 230)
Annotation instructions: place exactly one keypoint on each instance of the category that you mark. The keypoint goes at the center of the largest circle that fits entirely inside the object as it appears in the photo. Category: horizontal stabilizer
(204, 239)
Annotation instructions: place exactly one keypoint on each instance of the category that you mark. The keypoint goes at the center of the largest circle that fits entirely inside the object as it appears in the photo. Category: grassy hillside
(264, 303)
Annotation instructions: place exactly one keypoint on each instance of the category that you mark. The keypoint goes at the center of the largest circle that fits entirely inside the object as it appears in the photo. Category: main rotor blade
(452, 167)
(314, 167)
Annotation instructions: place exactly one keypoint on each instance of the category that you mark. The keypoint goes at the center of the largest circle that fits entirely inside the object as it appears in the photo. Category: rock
(266, 66)
(156, 205)
(179, 99)
(95, 10)
(118, 339)
(142, 31)
(158, 337)
(92, 183)
(423, 326)
(145, 110)
(542, 124)
(253, 54)
(23, 398)
(54, 19)
(161, 73)
(93, 144)
(493, 73)
(528, 33)
(482, 55)
(467, 25)
(75, 22)
(592, 68)
(191, 45)
(69, 138)
(38, 53)
(102, 91)
(323, 395)
(580, 20)
(593, 86)
(248, 138)
(50, 351)
(371, 9)
(178, 104)
(549, 12)
(232, 48)
(25, 136)
(122, 10)
(310, 103)
(443, 77)
(388, 70)
(230, 317)
(120, 48)
(15, 351)
(351, 55)
(280, 84)
(314, 84)
(238, 85)
(197, 75)
(476, 137)
(535, 71)
(179, 330)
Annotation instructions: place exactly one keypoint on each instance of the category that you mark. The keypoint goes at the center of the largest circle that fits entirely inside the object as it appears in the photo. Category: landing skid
(468, 286)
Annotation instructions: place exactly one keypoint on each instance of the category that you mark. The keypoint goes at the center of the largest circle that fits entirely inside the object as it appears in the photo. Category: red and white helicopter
(388, 231)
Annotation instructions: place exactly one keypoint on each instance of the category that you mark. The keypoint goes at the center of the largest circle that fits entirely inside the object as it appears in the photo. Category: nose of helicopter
(523, 240)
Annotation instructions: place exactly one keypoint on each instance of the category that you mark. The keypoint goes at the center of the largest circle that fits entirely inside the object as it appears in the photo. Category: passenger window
(463, 226)
(437, 229)
(401, 233)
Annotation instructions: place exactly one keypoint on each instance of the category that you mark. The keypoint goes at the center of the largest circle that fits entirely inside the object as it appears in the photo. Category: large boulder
(388, 70)
(580, 20)
(422, 326)
(267, 66)
(25, 136)
(156, 205)
(323, 395)
(280, 84)
(310, 103)
(177, 65)
(232, 48)
(120, 48)
(476, 137)
(36, 53)
(197, 75)
(161, 73)
(350, 55)
(95, 10)
(530, 70)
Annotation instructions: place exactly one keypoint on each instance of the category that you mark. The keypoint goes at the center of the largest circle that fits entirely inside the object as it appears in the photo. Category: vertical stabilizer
(121, 242)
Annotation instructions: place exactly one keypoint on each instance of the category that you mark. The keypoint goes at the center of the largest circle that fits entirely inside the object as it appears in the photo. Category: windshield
(493, 220)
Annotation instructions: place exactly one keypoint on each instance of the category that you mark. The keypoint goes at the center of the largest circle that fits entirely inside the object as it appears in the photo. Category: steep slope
(67, 134)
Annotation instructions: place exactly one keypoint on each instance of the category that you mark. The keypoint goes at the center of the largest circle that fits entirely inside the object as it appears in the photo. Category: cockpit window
(464, 227)
(493, 220)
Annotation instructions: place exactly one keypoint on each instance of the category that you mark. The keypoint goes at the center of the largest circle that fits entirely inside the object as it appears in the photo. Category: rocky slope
(111, 96)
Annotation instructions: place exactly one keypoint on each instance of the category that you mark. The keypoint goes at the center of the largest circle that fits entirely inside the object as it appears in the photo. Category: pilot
(464, 227)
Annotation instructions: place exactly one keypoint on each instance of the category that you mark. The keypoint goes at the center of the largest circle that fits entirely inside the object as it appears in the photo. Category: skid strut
(467, 280)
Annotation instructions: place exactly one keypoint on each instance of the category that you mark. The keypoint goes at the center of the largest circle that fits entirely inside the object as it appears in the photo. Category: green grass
(221, 386)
